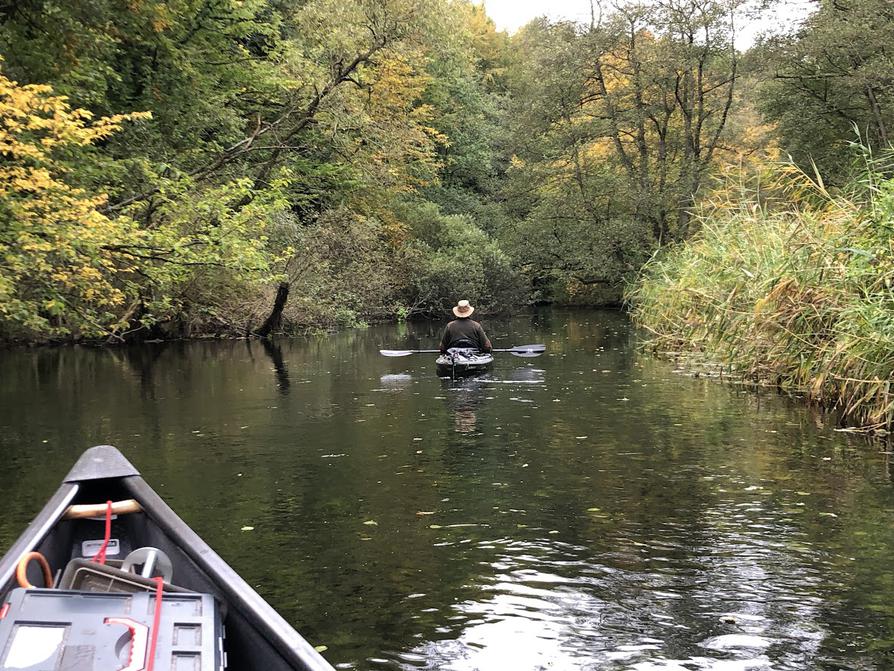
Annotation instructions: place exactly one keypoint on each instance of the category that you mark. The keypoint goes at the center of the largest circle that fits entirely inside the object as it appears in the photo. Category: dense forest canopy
(172, 166)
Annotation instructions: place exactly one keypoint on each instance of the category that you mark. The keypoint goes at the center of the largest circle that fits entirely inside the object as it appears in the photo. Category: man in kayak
(465, 332)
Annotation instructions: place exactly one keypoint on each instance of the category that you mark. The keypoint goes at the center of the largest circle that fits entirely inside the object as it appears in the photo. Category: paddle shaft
(520, 349)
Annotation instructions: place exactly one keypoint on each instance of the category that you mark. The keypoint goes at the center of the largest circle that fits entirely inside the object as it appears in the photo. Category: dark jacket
(465, 330)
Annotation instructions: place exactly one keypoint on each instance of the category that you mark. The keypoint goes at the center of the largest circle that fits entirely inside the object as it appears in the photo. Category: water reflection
(273, 350)
(464, 397)
(396, 382)
(678, 600)
(522, 375)
(588, 509)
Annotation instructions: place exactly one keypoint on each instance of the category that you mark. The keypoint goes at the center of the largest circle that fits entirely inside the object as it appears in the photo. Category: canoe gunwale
(241, 596)
(107, 463)
(39, 528)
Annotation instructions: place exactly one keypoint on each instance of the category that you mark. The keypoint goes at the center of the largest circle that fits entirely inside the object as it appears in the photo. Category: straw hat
(463, 309)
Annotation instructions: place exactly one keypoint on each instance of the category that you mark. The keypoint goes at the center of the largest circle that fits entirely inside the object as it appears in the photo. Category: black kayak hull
(257, 636)
(463, 365)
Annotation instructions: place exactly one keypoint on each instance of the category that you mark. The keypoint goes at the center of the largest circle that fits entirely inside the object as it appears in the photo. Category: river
(593, 508)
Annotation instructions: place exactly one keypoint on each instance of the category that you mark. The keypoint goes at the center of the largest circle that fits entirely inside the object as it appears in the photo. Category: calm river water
(588, 509)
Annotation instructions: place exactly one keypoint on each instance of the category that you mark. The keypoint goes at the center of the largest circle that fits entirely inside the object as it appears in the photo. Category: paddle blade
(396, 352)
(525, 350)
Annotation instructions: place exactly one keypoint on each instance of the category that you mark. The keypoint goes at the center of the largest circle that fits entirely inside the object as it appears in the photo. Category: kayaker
(465, 332)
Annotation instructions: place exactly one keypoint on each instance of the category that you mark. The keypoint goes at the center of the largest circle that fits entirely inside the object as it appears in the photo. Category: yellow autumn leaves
(54, 240)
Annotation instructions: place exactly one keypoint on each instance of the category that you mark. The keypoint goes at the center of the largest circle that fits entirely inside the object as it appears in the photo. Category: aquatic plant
(786, 284)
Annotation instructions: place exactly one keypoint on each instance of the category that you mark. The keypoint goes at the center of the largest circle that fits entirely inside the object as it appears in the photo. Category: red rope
(156, 619)
(100, 556)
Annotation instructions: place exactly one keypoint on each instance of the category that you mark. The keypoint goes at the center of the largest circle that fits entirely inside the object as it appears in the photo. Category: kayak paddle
(521, 350)
(524, 350)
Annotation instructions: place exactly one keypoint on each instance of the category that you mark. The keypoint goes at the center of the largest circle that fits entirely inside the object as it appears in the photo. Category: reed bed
(786, 284)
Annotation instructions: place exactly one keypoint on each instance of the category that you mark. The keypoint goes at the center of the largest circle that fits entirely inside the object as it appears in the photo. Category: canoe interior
(246, 644)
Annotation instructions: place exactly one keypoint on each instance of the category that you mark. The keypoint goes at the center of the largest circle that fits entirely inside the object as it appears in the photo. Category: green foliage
(203, 241)
(787, 285)
(566, 253)
(71, 269)
(452, 258)
(384, 157)
(831, 81)
(281, 136)
(614, 129)
(199, 67)
(58, 266)
(339, 273)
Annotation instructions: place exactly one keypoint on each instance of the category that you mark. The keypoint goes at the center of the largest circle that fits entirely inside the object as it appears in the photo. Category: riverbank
(786, 284)
(293, 318)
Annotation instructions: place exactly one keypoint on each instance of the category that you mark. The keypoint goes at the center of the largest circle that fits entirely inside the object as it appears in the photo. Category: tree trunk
(272, 322)
(880, 130)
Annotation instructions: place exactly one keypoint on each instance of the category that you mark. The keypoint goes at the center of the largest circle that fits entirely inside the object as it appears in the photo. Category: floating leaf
(247, 529)
(321, 648)
(371, 523)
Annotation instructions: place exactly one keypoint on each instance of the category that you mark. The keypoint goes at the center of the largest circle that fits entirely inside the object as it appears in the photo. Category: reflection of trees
(654, 501)
(657, 501)
(274, 351)
(140, 362)
(417, 335)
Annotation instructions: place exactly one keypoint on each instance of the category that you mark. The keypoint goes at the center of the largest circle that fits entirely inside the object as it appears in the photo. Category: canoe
(71, 531)
(461, 362)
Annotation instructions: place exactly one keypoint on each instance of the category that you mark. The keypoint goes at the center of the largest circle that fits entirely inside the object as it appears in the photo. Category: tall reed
(786, 284)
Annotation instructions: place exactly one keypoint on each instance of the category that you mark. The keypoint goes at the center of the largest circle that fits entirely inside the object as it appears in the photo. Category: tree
(58, 270)
(832, 82)
(616, 126)
(663, 80)
(275, 125)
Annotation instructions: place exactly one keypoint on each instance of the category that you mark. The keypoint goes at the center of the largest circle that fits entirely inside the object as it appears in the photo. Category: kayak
(462, 362)
(124, 583)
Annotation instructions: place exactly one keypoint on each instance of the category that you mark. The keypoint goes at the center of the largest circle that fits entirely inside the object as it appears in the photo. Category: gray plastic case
(62, 630)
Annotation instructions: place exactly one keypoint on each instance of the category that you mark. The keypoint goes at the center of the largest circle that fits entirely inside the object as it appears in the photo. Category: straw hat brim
(462, 314)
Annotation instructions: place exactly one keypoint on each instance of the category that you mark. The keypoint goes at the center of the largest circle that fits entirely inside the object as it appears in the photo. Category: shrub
(452, 259)
(786, 284)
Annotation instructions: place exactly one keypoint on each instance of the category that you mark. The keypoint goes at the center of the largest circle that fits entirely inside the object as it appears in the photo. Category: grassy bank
(786, 284)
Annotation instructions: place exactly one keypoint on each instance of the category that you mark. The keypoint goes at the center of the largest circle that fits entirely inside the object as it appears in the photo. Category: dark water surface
(589, 509)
